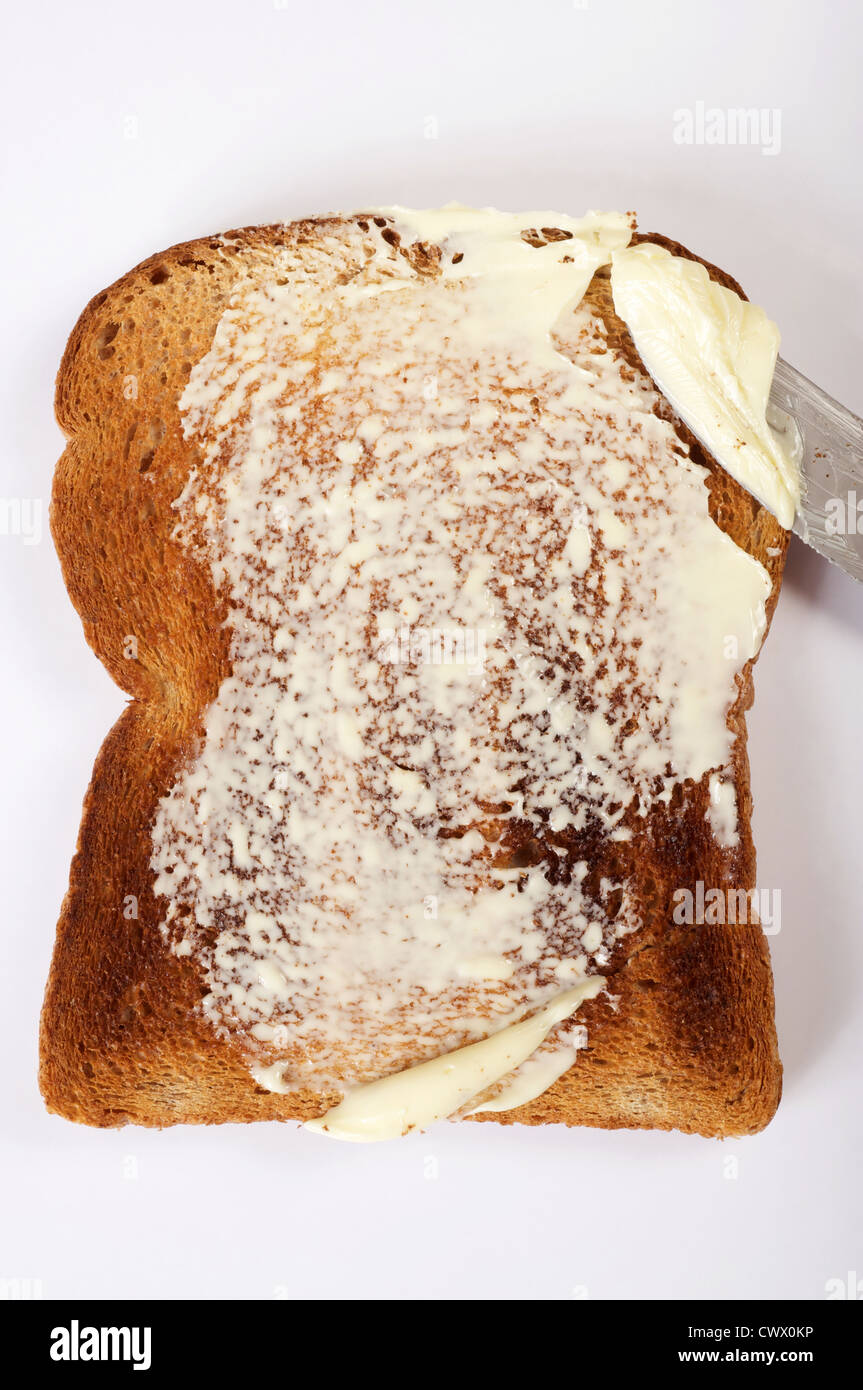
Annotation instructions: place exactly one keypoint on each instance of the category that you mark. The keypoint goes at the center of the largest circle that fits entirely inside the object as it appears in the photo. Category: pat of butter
(531, 1080)
(712, 356)
(415, 1098)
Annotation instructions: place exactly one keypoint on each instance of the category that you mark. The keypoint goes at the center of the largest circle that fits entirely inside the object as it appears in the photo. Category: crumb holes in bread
(156, 431)
(542, 237)
(105, 339)
(613, 903)
(524, 857)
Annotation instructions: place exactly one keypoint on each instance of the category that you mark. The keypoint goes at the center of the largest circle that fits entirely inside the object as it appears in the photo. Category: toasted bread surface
(691, 1042)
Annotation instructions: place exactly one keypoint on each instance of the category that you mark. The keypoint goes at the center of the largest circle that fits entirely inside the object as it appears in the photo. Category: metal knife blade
(828, 441)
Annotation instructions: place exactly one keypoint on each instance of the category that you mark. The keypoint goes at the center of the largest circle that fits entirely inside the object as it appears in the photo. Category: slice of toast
(690, 1042)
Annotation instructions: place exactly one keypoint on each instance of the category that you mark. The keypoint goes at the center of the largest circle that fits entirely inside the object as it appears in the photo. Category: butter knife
(827, 440)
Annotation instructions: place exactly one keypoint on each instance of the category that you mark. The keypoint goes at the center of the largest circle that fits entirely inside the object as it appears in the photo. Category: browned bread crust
(692, 1043)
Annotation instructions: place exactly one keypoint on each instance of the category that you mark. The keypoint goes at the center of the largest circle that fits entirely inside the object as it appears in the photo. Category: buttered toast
(439, 625)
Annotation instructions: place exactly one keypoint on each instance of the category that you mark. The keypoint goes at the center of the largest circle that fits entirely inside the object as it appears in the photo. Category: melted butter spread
(482, 623)
(712, 354)
(415, 1098)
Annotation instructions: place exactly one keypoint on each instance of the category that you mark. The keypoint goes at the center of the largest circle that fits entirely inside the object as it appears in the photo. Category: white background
(131, 127)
